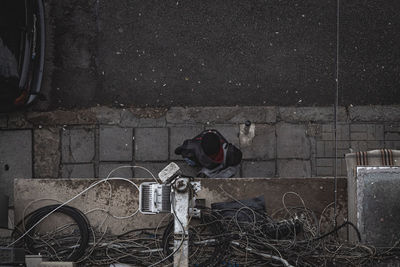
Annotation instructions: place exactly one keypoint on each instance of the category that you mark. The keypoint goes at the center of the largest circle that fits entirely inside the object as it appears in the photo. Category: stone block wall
(281, 142)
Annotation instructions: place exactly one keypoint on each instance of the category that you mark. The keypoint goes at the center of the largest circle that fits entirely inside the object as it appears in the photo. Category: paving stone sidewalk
(281, 141)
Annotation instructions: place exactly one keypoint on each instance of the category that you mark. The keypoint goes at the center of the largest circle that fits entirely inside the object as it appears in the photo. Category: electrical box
(154, 198)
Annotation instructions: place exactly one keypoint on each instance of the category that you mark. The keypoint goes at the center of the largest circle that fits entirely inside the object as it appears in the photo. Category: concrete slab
(392, 136)
(180, 134)
(392, 144)
(77, 145)
(219, 115)
(152, 122)
(46, 157)
(260, 145)
(151, 144)
(325, 167)
(294, 168)
(392, 139)
(156, 167)
(392, 127)
(292, 141)
(77, 171)
(143, 117)
(328, 132)
(153, 167)
(16, 158)
(18, 120)
(107, 115)
(366, 145)
(366, 132)
(327, 148)
(115, 143)
(314, 114)
(61, 117)
(129, 119)
(258, 169)
(374, 113)
(106, 168)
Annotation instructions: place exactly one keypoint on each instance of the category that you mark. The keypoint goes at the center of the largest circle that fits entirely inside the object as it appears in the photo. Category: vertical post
(247, 125)
(181, 210)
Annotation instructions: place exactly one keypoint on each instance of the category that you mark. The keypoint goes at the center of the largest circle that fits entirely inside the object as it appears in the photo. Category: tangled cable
(35, 245)
(214, 241)
(290, 236)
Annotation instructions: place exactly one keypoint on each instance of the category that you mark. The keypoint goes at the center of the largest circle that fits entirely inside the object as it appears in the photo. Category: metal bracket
(194, 212)
(196, 186)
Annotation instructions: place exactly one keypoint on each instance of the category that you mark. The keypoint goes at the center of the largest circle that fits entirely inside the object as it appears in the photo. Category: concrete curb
(161, 117)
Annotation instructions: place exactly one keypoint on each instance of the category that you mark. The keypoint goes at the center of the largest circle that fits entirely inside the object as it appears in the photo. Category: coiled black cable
(79, 218)
(337, 228)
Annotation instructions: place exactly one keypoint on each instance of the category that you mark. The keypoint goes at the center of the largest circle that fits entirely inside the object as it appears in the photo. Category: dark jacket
(192, 150)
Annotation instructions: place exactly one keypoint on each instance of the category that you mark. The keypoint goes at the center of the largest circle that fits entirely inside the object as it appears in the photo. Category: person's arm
(187, 150)
(233, 156)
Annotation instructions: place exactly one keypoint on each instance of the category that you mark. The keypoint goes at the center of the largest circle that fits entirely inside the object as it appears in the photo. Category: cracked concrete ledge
(314, 114)
(374, 113)
(160, 117)
(221, 114)
(315, 192)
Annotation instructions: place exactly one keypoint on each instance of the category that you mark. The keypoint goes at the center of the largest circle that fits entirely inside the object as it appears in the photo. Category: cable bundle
(214, 241)
(36, 244)
(288, 237)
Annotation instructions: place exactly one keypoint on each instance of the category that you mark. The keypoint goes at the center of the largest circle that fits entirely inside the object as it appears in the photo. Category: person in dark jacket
(211, 151)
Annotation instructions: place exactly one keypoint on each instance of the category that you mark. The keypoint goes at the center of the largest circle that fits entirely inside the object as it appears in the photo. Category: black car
(22, 43)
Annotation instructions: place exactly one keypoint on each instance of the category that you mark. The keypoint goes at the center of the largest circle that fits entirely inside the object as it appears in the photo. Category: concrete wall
(317, 193)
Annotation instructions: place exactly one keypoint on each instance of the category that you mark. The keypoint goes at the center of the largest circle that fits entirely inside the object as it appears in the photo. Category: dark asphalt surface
(221, 53)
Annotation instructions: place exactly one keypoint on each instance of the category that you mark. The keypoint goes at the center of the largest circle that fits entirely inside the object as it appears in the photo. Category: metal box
(154, 198)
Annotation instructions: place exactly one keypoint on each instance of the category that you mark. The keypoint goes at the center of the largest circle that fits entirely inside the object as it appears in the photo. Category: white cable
(265, 255)
(68, 201)
(137, 167)
(87, 189)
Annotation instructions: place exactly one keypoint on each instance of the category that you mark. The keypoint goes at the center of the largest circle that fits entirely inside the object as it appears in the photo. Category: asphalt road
(221, 53)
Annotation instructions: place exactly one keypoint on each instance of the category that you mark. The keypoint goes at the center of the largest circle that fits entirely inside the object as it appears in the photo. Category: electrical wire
(76, 196)
(78, 217)
(89, 188)
(244, 243)
(214, 240)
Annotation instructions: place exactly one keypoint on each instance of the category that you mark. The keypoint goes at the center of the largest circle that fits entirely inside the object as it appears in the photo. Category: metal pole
(181, 210)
